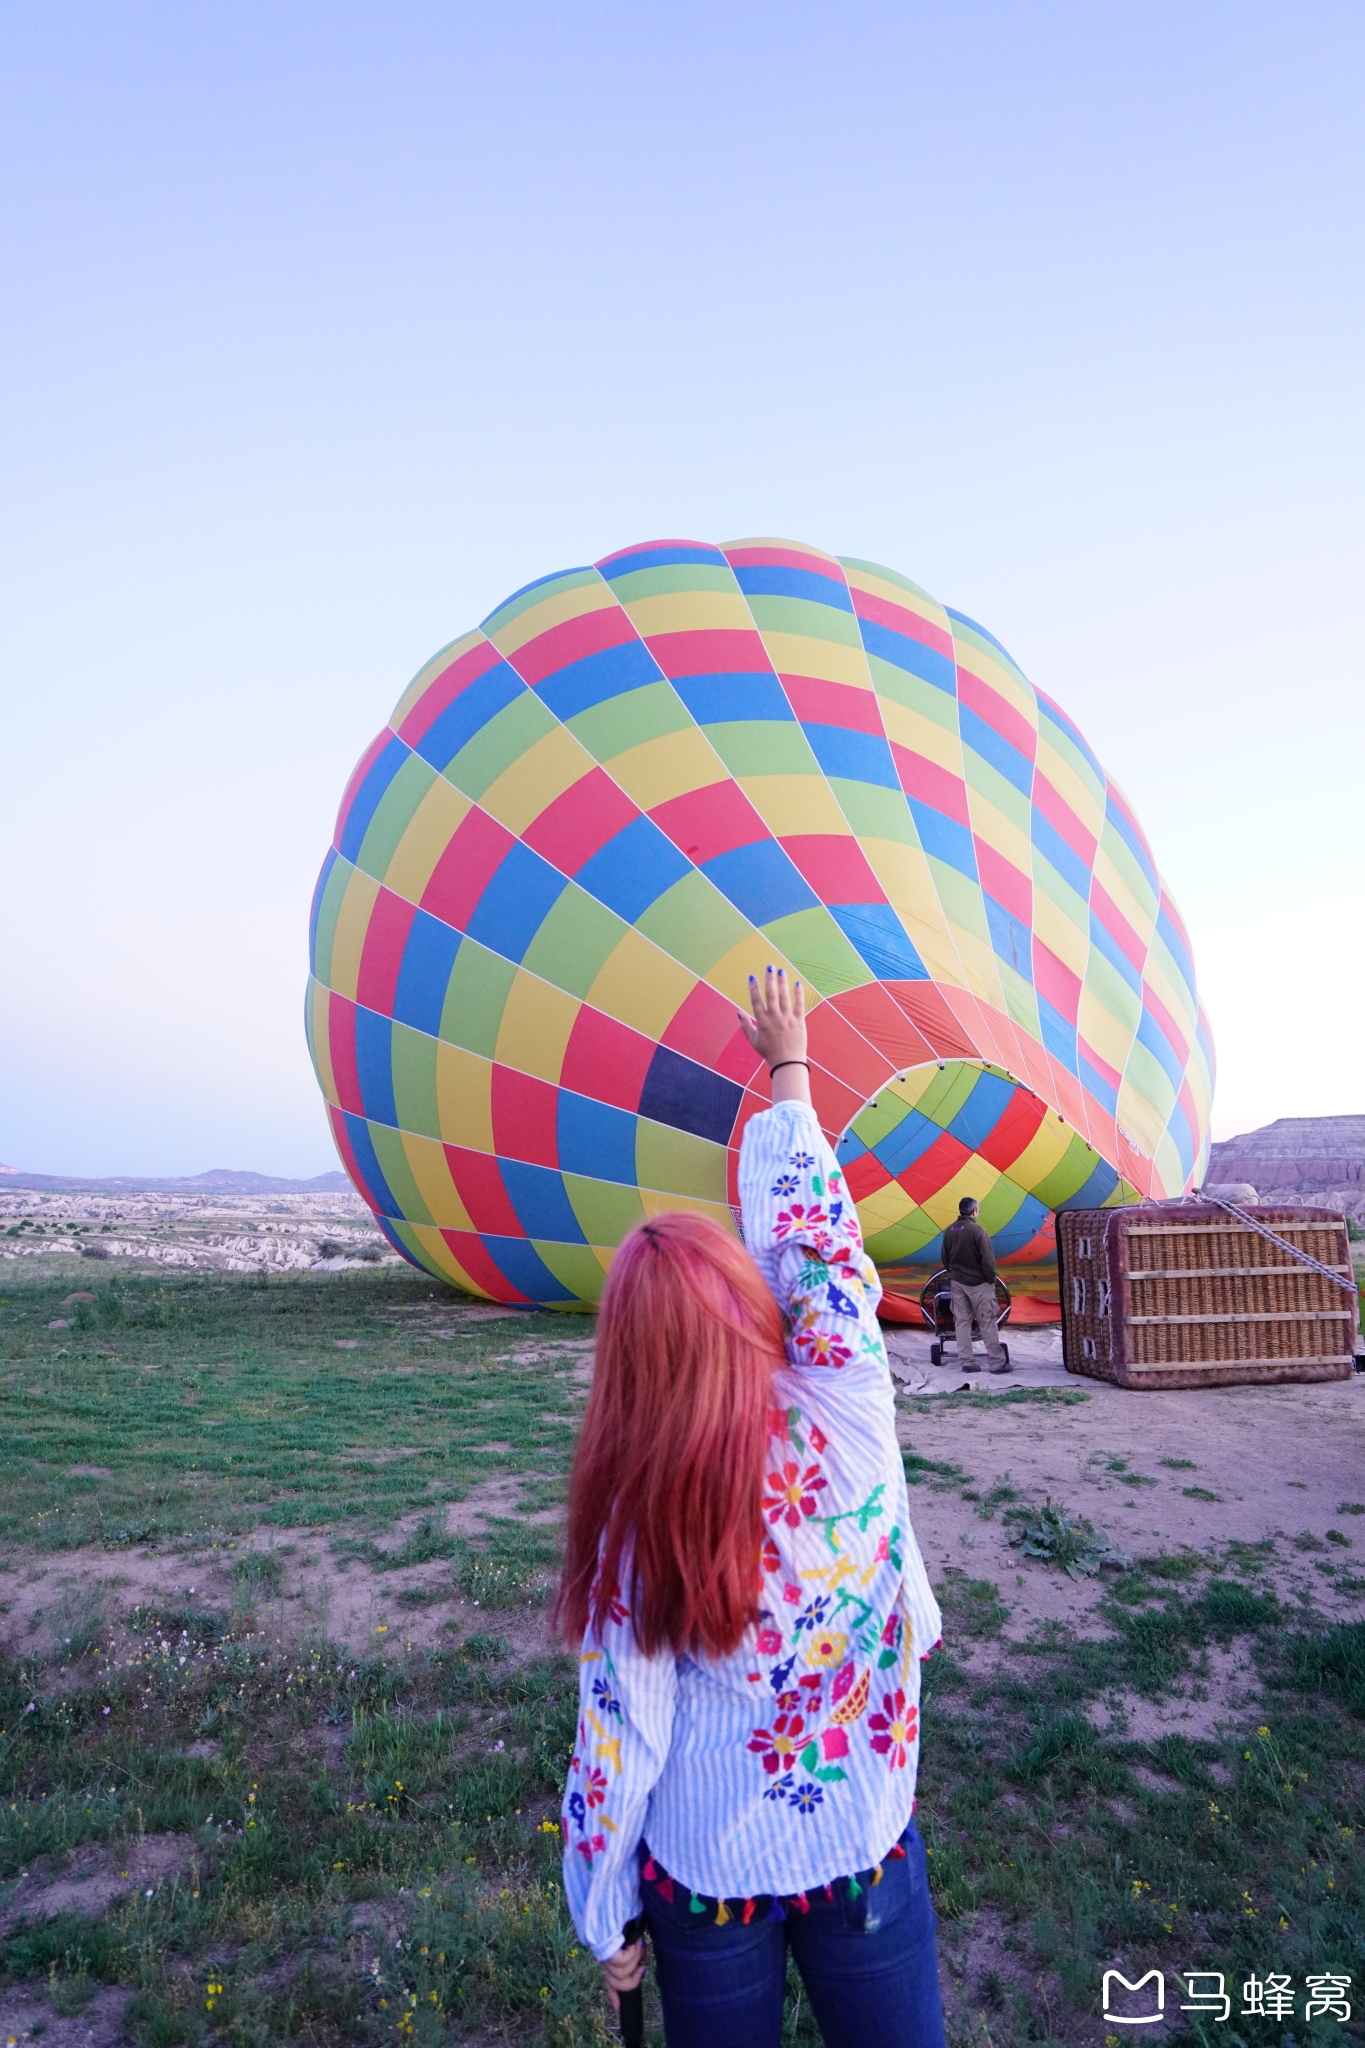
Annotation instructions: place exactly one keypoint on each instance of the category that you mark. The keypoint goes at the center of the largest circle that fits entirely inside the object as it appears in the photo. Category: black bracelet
(788, 1063)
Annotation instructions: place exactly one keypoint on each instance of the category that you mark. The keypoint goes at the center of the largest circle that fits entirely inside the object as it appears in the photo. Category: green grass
(437, 1805)
(1243, 1855)
(970, 1607)
(918, 1469)
(1015, 1397)
(260, 1571)
(212, 1410)
(214, 1405)
(334, 1807)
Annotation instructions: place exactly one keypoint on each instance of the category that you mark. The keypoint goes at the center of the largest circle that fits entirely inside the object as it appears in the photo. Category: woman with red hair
(752, 1607)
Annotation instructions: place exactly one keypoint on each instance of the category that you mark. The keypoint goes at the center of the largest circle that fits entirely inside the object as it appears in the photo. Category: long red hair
(669, 1466)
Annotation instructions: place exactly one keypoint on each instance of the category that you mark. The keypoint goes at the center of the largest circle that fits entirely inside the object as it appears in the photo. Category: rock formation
(1319, 1158)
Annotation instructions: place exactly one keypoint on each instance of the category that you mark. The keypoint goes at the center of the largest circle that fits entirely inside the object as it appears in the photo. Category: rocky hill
(1319, 1158)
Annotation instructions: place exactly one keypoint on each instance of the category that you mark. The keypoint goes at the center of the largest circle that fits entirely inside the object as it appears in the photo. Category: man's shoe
(1005, 1367)
(972, 1366)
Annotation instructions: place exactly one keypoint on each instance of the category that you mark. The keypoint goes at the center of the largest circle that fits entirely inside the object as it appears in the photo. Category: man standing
(970, 1260)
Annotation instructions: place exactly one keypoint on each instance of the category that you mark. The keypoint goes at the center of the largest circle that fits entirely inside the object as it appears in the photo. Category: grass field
(217, 1405)
(223, 1820)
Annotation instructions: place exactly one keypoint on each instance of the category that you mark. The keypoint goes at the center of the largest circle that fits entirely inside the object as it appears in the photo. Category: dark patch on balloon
(690, 1098)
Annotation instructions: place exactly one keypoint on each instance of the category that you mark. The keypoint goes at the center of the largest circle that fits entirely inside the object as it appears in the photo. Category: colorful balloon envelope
(591, 819)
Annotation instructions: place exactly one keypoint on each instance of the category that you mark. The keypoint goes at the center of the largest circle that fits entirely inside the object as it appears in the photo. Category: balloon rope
(1347, 1286)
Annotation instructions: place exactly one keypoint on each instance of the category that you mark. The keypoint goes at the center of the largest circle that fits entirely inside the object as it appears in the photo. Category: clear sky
(325, 326)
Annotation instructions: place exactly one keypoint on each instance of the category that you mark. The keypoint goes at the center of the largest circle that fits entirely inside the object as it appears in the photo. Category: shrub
(1332, 1662)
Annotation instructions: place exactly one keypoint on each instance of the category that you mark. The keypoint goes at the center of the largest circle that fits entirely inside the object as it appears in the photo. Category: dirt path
(1264, 1484)
(316, 1595)
(1206, 1468)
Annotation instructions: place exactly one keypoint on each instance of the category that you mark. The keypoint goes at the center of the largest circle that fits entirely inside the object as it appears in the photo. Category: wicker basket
(1183, 1294)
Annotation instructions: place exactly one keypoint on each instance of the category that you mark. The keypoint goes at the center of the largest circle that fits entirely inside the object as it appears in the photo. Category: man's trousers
(979, 1303)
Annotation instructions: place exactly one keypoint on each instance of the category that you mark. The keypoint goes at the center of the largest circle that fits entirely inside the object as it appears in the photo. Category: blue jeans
(869, 1965)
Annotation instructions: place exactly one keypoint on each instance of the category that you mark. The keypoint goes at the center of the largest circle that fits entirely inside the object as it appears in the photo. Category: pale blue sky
(326, 326)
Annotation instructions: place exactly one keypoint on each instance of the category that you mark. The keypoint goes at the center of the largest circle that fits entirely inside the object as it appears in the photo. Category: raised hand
(777, 1032)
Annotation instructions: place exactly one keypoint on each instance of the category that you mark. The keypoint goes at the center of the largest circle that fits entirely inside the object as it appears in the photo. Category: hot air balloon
(590, 819)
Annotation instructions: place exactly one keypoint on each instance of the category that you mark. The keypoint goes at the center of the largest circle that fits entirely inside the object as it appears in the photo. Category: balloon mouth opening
(944, 1129)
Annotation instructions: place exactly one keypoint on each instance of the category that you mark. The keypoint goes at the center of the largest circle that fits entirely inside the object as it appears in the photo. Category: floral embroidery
(779, 1787)
(780, 1673)
(577, 1809)
(610, 1748)
(851, 1706)
(807, 1797)
(821, 1244)
(791, 1493)
(770, 1641)
(785, 1187)
(597, 1786)
(870, 1512)
(818, 1440)
(778, 1746)
(891, 1637)
(840, 1302)
(606, 1700)
(809, 1218)
(820, 1347)
(802, 1161)
(770, 1557)
(813, 1614)
(894, 1729)
(826, 1648)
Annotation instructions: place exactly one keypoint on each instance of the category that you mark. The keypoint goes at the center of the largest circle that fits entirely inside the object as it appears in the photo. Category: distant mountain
(1300, 1155)
(224, 1180)
(220, 1180)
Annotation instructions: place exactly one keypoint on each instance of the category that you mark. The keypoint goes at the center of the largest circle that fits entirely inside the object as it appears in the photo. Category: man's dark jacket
(967, 1253)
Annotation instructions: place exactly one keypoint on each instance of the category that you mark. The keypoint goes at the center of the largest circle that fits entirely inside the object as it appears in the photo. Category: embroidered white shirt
(793, 1760)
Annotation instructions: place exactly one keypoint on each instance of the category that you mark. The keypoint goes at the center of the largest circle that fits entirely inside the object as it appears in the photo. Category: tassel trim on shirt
(721, 1912)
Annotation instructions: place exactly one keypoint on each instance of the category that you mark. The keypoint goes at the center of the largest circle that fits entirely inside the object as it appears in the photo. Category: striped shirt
(792, 1761)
